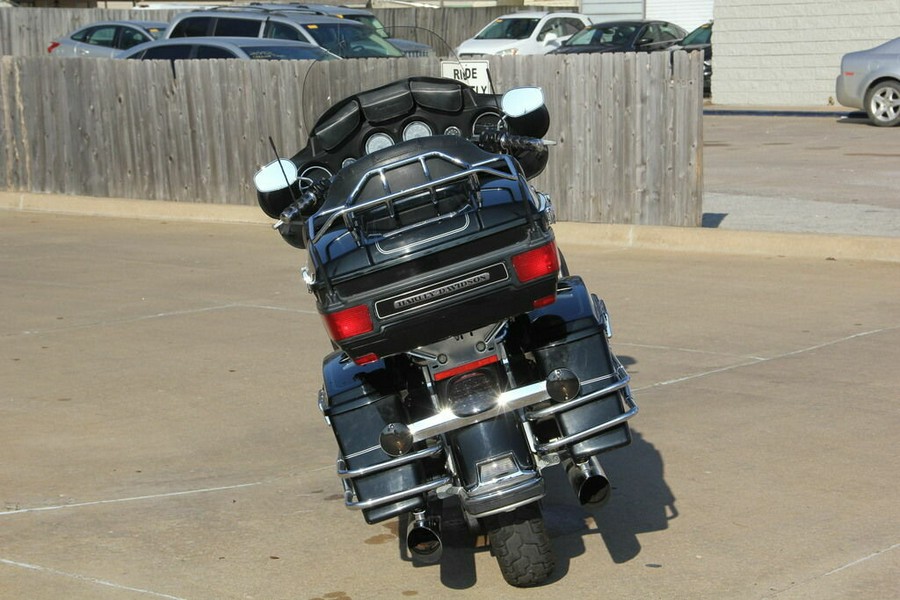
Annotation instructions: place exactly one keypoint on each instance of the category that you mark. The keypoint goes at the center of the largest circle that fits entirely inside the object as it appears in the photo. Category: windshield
(352, 42)
(327, 83)
(508, 29)
(372, 21)
(597, 36)
(287, 53)
(701, 35)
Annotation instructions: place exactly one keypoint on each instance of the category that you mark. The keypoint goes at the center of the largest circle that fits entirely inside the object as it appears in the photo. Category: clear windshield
(701, 35)
(508, 29)
(329, 82)
(352, 42)
(597, 36)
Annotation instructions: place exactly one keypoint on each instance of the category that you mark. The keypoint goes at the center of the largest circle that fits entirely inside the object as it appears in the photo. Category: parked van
(347, 39)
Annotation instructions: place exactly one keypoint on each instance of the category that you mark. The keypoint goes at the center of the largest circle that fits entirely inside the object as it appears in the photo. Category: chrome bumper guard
(350, 498)
(516, 399)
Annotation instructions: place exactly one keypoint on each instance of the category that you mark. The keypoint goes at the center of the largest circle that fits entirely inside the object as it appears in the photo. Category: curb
(648, 237)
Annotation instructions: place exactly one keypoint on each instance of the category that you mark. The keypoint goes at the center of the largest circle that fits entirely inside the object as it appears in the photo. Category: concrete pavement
(159, 435)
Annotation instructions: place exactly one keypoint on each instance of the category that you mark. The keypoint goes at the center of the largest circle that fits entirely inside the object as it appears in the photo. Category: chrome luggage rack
(503, 168)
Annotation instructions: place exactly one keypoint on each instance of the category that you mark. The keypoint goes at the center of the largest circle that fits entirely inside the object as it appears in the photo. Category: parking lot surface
(160, 437)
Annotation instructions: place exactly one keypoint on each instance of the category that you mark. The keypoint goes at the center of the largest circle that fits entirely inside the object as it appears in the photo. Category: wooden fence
(628, 128)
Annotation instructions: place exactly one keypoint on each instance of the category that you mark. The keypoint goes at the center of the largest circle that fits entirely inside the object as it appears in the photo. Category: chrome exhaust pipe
(423, 538)
(589, 482)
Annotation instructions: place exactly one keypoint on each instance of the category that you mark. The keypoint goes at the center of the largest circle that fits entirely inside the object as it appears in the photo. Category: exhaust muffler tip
(423, 539)
(589, 481)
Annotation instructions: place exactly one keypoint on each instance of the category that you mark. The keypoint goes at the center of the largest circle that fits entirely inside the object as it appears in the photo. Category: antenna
(281, 166)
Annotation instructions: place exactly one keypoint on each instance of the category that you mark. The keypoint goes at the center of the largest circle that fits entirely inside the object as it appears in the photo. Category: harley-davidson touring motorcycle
(466, 360)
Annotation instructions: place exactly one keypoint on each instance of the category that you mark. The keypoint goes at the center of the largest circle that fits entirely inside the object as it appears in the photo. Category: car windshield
(701, 35)
(372, 21)
(351, 42)
(287, 53)
(508, 29)
(155, 32)
(596, 36)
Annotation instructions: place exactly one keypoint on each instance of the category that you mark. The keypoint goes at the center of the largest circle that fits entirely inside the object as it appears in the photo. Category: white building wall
(611, 10)
(788, 52)
(689, 14)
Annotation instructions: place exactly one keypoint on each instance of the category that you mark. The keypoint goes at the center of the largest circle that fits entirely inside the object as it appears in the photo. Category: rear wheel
(883, 103)
(521, 546)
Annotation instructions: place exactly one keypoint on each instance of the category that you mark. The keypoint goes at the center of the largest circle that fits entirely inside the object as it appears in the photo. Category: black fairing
(341, 133)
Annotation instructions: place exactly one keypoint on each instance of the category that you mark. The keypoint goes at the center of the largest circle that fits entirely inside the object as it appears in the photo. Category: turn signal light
(536, 263)
(349, 322)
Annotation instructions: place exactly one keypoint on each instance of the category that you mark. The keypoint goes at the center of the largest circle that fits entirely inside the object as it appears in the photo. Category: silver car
(870, 80)
(106, 38)
(227, 47)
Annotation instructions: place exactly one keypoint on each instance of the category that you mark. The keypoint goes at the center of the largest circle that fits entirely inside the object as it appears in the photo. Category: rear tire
(521, 546)
(883, 103)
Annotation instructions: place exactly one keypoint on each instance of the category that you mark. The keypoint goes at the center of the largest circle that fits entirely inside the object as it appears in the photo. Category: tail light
(472, 393)
(349, 322)
(53, 46)
(536, 263)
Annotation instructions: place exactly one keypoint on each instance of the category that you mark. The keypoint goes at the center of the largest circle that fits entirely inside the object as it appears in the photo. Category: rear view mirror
(519, 102)
(525, 112)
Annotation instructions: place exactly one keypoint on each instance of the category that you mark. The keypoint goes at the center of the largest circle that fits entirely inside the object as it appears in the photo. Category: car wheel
(883, 103)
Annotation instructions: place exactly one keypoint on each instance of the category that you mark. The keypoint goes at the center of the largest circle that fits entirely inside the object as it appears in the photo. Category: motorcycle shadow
(641, 502)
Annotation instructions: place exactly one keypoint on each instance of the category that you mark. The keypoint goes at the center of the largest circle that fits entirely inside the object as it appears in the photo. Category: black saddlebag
(359, 403)
(571, 334)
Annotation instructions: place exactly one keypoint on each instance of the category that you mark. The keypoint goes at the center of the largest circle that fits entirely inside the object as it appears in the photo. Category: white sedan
(523, 33)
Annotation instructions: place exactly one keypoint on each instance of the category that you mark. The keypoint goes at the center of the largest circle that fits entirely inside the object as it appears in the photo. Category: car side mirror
(551, 39)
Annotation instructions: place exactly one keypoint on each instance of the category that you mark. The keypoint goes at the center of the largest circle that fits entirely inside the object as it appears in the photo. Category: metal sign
(473, 73)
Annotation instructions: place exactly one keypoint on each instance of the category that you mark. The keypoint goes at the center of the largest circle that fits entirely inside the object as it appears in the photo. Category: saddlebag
(572, 334)
(358, 403)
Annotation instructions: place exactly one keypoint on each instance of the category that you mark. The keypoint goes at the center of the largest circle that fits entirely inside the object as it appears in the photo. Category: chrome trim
(539, 415)
(471, 503)
(424, 488)
(510, 400)
(344, 473)
(410, 246)
(467, 170)
(589, 433)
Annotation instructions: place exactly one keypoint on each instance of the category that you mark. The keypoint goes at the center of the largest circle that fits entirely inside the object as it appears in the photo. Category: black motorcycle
(466, 359)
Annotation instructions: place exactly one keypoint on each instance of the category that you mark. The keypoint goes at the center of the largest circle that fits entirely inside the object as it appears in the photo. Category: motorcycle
(466, 359)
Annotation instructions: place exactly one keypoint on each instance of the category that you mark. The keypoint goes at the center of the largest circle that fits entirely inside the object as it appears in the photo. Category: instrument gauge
(416, 129)
(378, 141)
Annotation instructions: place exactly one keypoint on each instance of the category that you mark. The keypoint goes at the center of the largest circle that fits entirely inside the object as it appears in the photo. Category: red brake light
(440, 376)
(539, 262)
(53, 46)
(349, 322)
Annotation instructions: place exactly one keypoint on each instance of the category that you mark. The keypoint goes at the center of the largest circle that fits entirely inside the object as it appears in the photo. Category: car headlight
(508, 52)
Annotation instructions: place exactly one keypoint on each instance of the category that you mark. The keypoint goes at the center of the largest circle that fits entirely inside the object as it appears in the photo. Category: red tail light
(53, 46)
(539, 262)
(349, 322)
(440, 376)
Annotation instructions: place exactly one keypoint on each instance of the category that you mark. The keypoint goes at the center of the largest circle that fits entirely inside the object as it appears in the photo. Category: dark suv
(347, 39)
